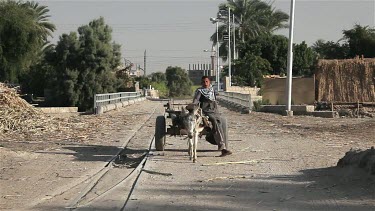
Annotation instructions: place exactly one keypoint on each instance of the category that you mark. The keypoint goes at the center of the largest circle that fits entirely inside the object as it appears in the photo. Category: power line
(168, 57)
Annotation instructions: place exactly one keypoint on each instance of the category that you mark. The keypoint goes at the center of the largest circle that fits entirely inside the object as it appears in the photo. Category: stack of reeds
(18, 115)
(349, 80)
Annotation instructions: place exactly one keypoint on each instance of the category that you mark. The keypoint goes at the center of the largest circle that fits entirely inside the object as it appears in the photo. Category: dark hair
(204, 77)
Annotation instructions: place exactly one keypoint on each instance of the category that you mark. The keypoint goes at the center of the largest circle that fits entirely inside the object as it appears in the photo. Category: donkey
(192, 120)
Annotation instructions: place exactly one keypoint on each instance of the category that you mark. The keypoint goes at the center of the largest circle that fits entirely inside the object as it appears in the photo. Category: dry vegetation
(348, 80)
(20, 119)
(18, 115)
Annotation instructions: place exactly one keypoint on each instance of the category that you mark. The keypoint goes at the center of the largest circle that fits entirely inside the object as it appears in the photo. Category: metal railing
(239, 99)
(113, 98)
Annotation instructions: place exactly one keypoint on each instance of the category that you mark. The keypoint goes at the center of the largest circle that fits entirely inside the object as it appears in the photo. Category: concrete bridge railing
(111, 101)
(240, 101)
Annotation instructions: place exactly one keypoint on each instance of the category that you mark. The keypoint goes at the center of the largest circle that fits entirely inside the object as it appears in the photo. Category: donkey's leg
(195, 147)
(190, 148)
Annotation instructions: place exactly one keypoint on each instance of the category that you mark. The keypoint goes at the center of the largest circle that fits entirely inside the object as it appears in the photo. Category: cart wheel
(160, 133)
(225, 129)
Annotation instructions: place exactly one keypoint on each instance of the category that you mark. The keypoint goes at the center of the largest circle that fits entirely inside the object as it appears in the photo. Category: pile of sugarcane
(18, 115)
(348, 80)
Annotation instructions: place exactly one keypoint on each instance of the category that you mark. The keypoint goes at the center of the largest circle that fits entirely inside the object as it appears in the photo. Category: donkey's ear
(190, 107)
(183, 111)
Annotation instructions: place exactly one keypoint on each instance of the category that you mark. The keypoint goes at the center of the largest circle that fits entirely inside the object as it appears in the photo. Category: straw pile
(349, 80)
(16, 115)
(360, 158)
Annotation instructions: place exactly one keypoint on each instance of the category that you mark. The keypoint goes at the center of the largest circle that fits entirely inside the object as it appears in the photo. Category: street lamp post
(216, 21)
(217, 57)
(234, 39)
(290, 61)
(229, 51)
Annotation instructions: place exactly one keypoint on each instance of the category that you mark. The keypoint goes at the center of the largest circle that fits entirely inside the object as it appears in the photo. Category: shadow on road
(87, 152)
(312, 189)
(186, 150)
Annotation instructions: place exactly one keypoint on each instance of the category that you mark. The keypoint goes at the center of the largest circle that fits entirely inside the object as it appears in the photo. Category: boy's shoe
(225, 152)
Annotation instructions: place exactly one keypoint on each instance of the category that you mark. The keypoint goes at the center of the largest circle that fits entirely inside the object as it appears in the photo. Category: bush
(259, 103)
(162, 87)
(178, 82)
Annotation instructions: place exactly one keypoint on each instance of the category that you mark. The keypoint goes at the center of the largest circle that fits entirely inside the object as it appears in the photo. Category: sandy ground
(288, 165)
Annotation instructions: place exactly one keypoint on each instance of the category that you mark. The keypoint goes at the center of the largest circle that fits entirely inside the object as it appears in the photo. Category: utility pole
(229, 50)
(289, 111)
(234, 39)
(242, 33)
(234, 44)
(212, 66)
(217, 57)
(144, 64)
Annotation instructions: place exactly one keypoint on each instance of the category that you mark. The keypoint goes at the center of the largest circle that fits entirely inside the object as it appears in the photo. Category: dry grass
(18, 115)
(348, 80)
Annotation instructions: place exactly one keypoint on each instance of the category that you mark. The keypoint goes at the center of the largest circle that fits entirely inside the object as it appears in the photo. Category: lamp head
(213, 20)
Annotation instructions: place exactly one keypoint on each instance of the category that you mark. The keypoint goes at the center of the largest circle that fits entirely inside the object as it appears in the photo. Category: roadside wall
(56, 110)
(253, 91)
(105, 108)
(303, 90)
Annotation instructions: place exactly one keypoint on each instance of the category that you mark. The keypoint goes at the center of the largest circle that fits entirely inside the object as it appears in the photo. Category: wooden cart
(171, 124)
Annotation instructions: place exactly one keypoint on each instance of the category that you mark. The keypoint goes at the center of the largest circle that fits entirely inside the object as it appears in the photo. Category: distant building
(136, 72)
(196, 71)
(131, 70)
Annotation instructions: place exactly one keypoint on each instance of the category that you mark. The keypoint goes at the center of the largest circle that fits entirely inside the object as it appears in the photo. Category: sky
(176, 32)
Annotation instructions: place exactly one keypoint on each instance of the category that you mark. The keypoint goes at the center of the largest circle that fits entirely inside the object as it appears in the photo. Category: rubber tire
(160, 130)
(225, 128)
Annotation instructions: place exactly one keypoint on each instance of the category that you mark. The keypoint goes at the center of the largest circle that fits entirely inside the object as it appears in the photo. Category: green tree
(162, 88)
(84, 65)
(361, 41)
(331, 50)
(144, 81)
(178, 82)
(251, 67)
(97, 59)
(303, 59)
(37, 77)
(158, 77)
(63, 80)
(267, 54)
(40, 16)
(159, 82)
(273, 48)
(24, 29)
(358, 41)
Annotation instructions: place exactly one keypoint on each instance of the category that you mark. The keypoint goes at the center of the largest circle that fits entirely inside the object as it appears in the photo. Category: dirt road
(288, 164)
(54, 171)
(279, 163)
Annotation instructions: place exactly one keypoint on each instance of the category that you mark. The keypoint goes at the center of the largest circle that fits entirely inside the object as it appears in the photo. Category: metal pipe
(290, 59)
(234, 39)
(217, 57)
(229, 50)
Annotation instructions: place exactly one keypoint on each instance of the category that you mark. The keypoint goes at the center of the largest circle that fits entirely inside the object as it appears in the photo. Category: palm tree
(276, 20)
(252, 18)
(40, 14)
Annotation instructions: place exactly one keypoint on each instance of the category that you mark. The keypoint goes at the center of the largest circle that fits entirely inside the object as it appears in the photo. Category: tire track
(82, 199)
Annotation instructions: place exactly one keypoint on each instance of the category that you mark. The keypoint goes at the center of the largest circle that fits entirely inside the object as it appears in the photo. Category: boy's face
(206, 82)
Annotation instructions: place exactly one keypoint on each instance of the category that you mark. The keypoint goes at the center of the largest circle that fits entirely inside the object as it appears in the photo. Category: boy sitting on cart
(205, 96)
